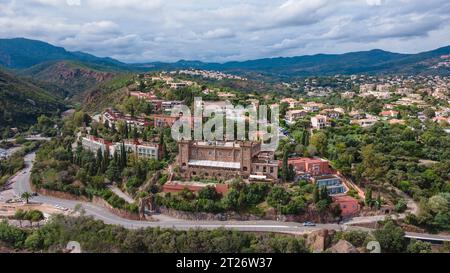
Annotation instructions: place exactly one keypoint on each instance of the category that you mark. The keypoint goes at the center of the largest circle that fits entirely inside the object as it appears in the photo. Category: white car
(61, 208)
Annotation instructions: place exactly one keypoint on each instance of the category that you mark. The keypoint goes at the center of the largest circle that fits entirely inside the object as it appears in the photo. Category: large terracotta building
(225, 160)
(311, 166)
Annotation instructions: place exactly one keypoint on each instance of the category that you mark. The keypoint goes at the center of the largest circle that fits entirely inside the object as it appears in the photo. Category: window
(245, 169)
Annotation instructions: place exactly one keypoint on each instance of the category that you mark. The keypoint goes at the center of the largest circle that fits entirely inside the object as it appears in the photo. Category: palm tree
(26, 196)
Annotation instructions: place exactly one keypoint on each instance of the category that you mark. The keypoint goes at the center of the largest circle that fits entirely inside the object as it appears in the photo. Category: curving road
(21, 183)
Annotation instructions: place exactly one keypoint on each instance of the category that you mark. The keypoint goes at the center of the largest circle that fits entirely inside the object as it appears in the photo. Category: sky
(228, 30)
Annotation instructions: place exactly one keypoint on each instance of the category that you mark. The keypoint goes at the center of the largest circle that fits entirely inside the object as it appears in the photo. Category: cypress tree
(99, 162)
(285, 166)
(106, 160)
(316, 194)
(162, 144)
(123, 156)
(369, 200)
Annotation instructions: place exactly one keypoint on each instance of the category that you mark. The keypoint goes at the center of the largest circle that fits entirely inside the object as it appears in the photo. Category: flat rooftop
(229, 144)
(215, 164)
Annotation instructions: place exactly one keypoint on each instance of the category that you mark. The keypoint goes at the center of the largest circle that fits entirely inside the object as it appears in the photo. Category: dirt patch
(8, 210)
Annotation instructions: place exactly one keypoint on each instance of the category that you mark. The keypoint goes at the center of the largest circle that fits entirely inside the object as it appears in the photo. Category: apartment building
(313, 106)
(93, 144)
(366, 122)
(348, 95)
(167, 106)
(137, 147)
(333, 113)
(389, 114)
(150, 98)
(293, 115)
(226, 159)
(293, 103)
(113, 117)
(383, 87)
(366, 88)
(320, 122)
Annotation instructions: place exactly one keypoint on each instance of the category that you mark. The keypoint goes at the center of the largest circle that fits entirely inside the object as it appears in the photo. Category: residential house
(293, 115)
(349, 205)
(333, 113)
(293, 103)
(313, 106)
(389, 114)
(308, 167)
(333, 184)
(320, 122)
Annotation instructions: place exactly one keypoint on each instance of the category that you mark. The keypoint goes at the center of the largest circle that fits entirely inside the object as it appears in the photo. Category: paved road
(21, 183)
(31, 138)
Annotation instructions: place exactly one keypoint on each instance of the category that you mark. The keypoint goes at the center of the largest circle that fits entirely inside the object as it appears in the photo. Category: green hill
(20, 53)
(21, 102)
(71, 76)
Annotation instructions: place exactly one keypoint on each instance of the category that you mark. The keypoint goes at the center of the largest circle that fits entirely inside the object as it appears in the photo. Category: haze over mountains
(23, 53)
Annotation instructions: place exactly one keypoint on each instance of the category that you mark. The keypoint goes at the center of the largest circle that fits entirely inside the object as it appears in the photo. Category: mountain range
(37, 78)
(20, 53)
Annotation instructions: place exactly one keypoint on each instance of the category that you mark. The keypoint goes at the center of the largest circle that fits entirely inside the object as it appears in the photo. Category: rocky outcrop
(319, 241)
(343, 247)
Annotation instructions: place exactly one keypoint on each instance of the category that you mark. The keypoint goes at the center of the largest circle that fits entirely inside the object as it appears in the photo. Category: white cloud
(146, 30)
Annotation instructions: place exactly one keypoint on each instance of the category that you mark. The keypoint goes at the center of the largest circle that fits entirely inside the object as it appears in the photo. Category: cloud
(169, 30)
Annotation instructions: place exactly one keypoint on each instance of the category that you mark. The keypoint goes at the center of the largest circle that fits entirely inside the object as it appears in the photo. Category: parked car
(309, 224)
